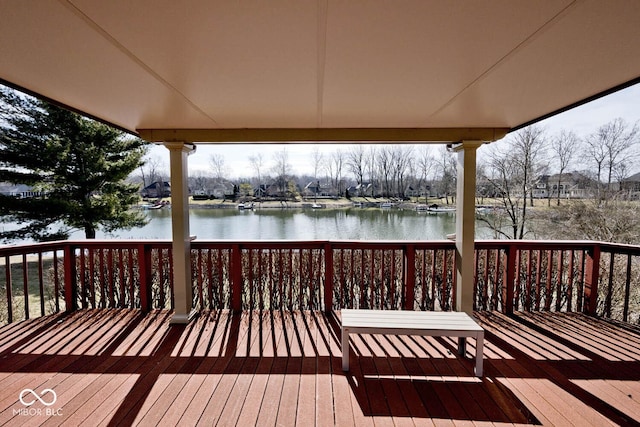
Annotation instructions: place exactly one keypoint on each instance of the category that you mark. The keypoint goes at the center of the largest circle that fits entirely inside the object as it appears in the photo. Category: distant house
(260, 192)
(351, 191)
(280, 189)
(273, 189)
(423, 190)
(411, 191)
(316, 189)
(571, 185)
(20, 190)
(360, 190)
(630, 187)
(156, 190)
(541, 189)
(222, 189)
(202, 188)
(311, 189)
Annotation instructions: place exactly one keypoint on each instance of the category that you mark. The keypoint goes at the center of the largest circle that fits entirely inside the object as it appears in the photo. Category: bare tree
(619, 142)
(336, 168)
(448, 170)
(218, 165)
(503, 176)
(282, 170)
(531, 146)
(370, 167)
(611, 145)
(257, 163)
(402, 161)
(384, 163)
(512, 168)
(481, 186)
(563, 147)
(198, 181)
(318, 161)
(622, 171)
(150, 170)
(356, 162)
(598, 156)
(426, 165)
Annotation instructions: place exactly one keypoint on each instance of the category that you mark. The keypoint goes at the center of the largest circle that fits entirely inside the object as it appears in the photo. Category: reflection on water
(298, 224)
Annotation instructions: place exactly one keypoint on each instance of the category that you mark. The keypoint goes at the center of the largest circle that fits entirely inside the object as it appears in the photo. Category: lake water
(299, 224)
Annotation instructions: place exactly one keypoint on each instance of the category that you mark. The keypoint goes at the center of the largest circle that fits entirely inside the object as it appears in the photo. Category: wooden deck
(120, 367)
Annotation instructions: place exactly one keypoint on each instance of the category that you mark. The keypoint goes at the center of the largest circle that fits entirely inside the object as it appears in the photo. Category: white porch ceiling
(149, 66)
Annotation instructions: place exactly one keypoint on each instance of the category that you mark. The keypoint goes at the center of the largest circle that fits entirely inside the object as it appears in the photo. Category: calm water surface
(298, 224)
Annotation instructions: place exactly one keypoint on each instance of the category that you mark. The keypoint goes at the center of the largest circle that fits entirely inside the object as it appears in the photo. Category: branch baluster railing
(596, 278)
(619, 289)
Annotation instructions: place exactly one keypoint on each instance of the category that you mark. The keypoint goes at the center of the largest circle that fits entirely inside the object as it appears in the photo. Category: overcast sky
(582, 120)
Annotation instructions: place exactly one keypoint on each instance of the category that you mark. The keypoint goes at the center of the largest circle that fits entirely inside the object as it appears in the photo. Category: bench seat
(400, 322)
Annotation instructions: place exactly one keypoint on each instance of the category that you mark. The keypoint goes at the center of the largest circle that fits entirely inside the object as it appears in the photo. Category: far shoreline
(341, 203)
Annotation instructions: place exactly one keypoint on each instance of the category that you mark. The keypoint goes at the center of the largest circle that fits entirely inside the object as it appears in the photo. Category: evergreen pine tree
(78, 166)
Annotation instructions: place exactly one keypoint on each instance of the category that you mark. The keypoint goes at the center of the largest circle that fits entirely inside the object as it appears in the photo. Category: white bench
(400, 322)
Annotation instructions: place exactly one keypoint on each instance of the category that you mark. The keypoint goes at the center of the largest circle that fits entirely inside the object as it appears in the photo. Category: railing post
(146, 279)
(70, 282)
(627, 291)
(236, 278)
(509, 280)
(328, 277)
(409, 276)
(591, 279)
(25, 285)
(7, 271)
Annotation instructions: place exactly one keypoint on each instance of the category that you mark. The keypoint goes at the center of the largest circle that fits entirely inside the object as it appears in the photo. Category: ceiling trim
(329, 135)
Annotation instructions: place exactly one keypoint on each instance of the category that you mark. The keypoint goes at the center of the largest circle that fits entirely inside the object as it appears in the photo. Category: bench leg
(462, 346)
(345, 349)
(479, 352)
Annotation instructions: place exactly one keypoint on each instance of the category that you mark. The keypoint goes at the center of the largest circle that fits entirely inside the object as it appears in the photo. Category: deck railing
(600, 279)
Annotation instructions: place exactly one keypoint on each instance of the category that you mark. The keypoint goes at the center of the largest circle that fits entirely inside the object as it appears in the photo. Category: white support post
(465, 223)
(183, 294)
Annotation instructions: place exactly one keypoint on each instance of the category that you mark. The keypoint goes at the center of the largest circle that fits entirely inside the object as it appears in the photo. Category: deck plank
(112, 386)
(64, 372)
(111, 367)
(246, 373)
(288, 406)
(107, 383)
(564, 395)
(268, 339)
(235, 351)
(207, 377)
(325, 401)
(273, 393)
(400, 375)
(169, 385)
(307, 395)
(215, 327)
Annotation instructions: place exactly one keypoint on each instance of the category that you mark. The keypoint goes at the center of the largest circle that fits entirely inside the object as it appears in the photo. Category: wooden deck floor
(109, 367)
